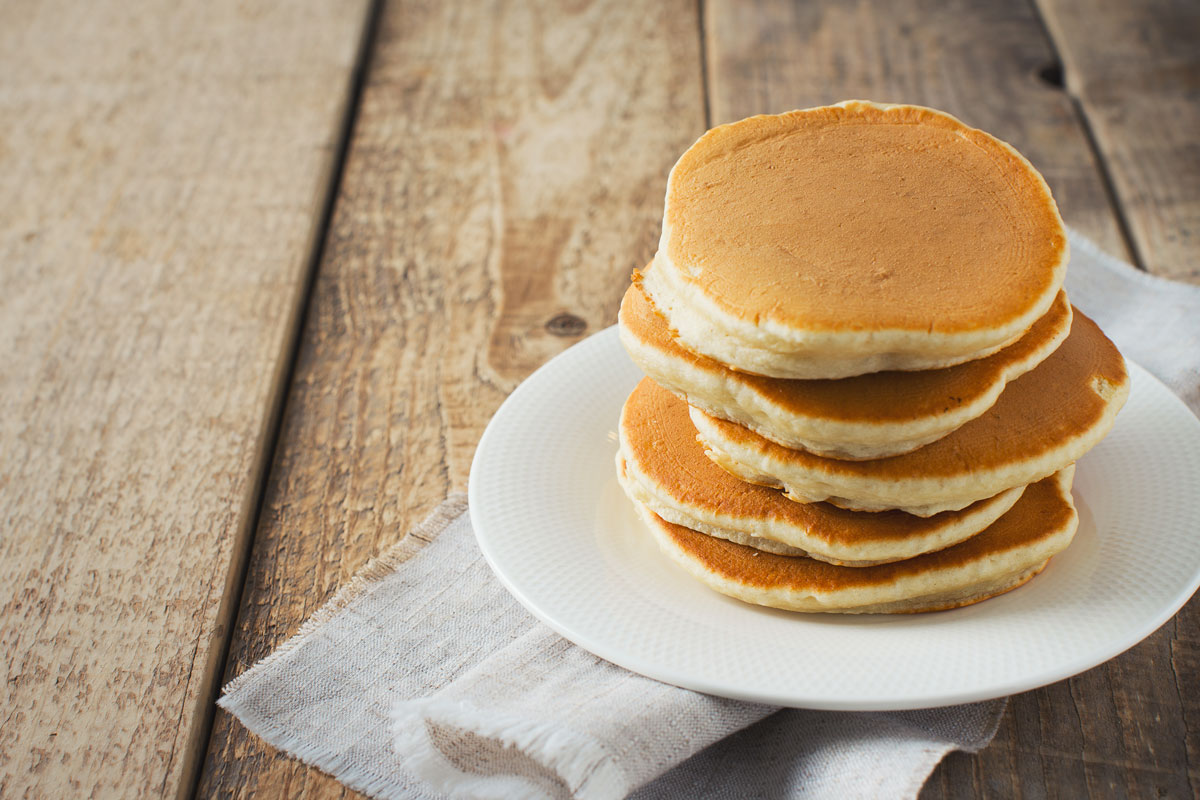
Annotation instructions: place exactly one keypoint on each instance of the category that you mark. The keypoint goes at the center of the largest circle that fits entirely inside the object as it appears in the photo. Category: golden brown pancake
(1014, 549)
(854, 238)
(663, 466)
(868, 416)
(1043, 421)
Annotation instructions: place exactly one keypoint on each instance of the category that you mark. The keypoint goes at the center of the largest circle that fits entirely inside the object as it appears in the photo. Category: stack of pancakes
(867, 389)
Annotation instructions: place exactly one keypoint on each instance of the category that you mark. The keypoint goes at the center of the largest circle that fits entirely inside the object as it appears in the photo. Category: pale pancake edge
(663, 466)
(1043, 421)
(864, 417)
(1007, 554)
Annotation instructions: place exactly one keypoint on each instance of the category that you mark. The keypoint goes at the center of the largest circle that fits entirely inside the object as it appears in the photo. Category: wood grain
(1128, 728)
(161, 180)
(1135, 71)
(505, 175)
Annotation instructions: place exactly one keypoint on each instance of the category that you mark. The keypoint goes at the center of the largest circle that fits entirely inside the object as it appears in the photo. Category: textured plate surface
(562, 537)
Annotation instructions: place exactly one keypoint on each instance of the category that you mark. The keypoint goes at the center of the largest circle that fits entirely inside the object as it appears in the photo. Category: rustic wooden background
(268, 269)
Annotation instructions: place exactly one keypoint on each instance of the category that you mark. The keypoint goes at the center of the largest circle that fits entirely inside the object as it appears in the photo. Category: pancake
(868, 416)
(854, 238)
(662, 466)
(1043, 421)
(1014, 549)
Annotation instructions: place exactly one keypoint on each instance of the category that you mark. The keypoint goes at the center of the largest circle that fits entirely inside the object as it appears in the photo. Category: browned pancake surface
(862, 218)
(659, 435)
(1056, 402)
(880, 396)
(1042, 510)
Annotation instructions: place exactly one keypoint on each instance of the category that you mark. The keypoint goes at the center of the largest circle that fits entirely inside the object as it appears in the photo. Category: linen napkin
(1153, 321)
(423, 678)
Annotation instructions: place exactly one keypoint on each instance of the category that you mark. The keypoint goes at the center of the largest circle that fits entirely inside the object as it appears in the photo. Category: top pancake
(854, 238)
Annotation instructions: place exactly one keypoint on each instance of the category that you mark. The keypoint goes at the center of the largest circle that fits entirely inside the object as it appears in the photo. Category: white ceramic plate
(563, 538)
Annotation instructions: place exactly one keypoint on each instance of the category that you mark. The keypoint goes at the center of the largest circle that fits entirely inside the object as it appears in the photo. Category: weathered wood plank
(1135, 69)
(505, 175)
(1119, 729)
(162, 174)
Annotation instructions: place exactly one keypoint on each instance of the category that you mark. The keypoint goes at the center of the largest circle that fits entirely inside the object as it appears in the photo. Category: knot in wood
(1052, 75)
(566, 325)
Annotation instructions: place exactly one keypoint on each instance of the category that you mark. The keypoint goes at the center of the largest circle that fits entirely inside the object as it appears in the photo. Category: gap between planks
(1085, 122)
(705, 84)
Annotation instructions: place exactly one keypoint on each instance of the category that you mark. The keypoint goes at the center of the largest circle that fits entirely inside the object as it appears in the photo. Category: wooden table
(268, 269)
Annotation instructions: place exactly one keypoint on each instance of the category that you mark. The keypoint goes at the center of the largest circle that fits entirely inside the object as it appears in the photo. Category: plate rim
(611, 651)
